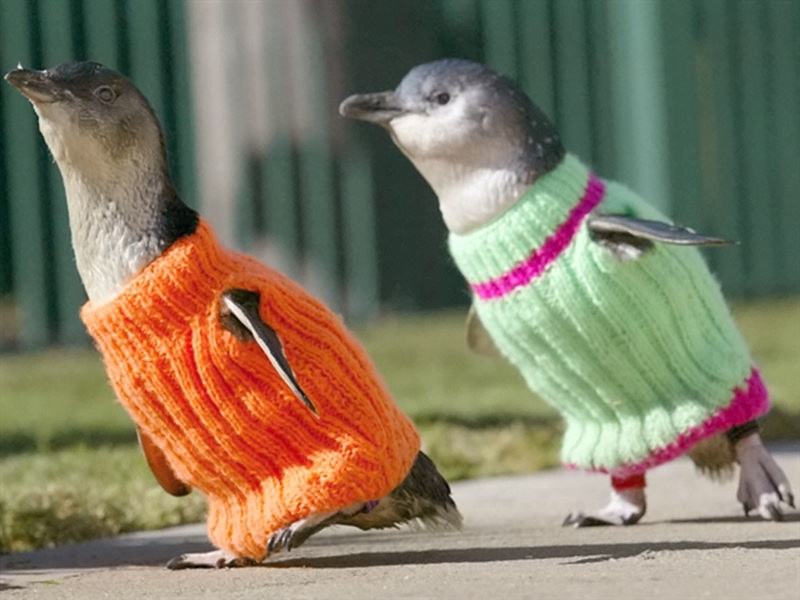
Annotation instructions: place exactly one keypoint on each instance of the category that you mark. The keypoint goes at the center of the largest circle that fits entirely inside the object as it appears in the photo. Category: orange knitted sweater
(226, 422)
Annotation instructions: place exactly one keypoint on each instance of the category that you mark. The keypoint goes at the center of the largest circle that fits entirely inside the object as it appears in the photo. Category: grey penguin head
(93, 119)
(461, 111)
(107, 142)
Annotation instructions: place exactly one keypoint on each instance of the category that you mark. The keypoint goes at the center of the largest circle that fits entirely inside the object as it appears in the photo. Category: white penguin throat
(114, 234)
(470, 197)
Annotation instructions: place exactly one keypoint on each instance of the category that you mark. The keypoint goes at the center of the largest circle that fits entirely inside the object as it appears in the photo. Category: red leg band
(626, 483)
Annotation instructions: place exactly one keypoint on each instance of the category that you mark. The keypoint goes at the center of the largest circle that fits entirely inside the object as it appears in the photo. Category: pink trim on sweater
(620, 484)
(533, 266)
(748, 403)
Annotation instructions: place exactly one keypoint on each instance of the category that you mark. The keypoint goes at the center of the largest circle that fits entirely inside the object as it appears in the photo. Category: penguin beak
(36, 86)
(379, 108)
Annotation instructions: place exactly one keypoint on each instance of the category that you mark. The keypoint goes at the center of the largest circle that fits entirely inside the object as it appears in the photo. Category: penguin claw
(579, 519)
(216, 559)
(293, 535)
(285, 539)
(775, 513)
(763, 486)
(280, 540)
(626, 507)
(786, 494)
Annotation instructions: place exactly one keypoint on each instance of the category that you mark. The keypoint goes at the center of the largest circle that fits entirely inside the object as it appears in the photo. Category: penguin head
(464, 112)
(93, 119)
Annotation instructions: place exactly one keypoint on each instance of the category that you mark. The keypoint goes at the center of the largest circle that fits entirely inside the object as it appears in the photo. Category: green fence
(695, 104)
(144, 38)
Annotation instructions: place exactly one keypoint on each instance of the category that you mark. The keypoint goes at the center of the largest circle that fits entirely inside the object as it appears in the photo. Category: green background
(694, 104)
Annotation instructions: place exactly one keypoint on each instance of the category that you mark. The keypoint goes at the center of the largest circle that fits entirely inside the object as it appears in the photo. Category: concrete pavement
(693, 543)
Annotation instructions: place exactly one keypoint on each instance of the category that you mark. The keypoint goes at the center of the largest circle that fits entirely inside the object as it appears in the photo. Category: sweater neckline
(188, 263)
(519, 244)
(541, 256)
(562, 186)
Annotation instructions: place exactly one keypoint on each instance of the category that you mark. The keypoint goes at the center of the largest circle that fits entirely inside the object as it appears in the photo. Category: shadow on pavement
(152, 552)
(591, 553)
(7, 586)
(790, 518)
(108, 553)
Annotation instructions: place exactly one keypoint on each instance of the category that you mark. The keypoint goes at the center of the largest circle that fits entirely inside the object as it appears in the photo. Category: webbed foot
(216, 559)
(626, 507)
(296, 533)
(763, 486)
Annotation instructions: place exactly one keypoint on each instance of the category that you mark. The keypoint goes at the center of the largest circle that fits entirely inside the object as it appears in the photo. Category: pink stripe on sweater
(533, 266)
(748, 403)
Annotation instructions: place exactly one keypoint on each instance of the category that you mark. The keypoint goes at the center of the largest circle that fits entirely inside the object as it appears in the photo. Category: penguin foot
(763, 486)
(295, 534)
(216, 559)
(625, 508)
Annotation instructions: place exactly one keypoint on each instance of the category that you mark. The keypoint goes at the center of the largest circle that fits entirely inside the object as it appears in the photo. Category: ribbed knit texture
(225, 420)
(641, 357)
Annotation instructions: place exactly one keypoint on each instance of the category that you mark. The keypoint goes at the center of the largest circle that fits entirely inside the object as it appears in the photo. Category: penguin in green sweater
(606, 308)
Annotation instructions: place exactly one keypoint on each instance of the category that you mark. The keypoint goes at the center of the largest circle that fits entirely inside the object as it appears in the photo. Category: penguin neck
(470, 197)
(119, 226)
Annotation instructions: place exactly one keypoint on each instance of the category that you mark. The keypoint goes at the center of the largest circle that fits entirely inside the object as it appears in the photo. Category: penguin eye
(442, 98)
(105, 94)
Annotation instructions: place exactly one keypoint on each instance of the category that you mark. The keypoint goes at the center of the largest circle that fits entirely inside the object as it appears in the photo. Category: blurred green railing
(144, 38)
(695, 104)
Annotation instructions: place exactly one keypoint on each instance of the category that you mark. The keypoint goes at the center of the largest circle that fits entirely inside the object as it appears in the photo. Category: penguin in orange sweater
(241, 384)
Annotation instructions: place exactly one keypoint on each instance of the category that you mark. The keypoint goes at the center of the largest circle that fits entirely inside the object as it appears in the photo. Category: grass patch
(57, 399)
(434, 376)
(80, 493)
(70, 469)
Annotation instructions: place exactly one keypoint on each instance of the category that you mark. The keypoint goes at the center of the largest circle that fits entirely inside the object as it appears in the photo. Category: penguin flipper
(158, 465)
(478, 339)
(611, 226)
(241, 316)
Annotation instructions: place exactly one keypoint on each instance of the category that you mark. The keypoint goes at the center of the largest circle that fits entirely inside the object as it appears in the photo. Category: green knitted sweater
(641, 357)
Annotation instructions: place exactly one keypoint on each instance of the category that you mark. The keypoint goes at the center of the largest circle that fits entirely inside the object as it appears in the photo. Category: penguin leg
(216, 559)
(763, 486)
(294, 534)
(626, 507)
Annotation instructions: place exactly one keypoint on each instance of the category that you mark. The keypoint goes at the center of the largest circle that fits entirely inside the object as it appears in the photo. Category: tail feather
(422, 499)
(427, 496)
(714, 457)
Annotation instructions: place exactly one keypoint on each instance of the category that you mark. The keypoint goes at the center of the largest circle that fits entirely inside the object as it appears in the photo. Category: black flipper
(478, 339)
(158, 464)
(241, 317)
(603, 226)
